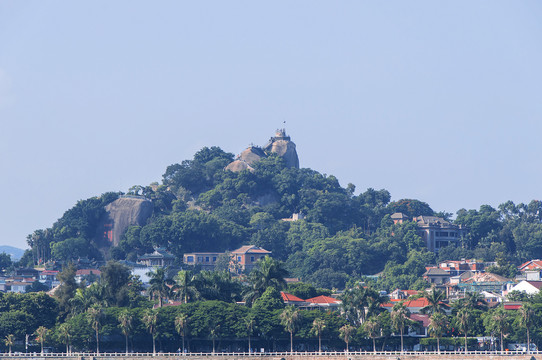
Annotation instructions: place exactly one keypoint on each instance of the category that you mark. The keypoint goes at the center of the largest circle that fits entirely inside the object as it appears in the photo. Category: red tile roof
(418, 303)
(531, 264)
(252, 249)
(290, 297)
(323, 300)
(514, 306)
(423, 318)
(536, 284)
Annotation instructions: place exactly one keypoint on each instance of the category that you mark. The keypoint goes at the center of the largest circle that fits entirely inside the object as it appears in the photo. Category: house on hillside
(247, 256)
(402, 294)
(290, 299)
(437, 276)
(322, 302)
(528, 287)
(206, 260)
(414, 306)
(435, 231)
(243, 259)
(486, 282)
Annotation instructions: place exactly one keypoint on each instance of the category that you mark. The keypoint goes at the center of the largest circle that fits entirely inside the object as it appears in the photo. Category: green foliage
(269, 301)
(410, 208)
(306, 291)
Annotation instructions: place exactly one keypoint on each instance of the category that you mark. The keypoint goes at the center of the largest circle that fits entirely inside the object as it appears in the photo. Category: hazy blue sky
(435, 100)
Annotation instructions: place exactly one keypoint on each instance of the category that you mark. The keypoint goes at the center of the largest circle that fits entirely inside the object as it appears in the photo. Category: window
(214, 258)
(252, 258)
(189, 259)
(200, 258)
(239, 259)
(206, 259)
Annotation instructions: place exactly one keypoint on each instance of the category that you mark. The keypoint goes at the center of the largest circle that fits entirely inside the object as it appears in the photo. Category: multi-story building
(436, 232)
(244, 258)
(206, 260)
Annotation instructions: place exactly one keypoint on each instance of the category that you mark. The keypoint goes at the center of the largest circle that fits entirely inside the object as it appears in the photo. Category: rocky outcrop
(246, 159)
(122, 213)
(280, 144)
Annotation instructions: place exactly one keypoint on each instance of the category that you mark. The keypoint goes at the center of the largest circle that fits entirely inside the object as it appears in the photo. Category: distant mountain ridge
(15, 253)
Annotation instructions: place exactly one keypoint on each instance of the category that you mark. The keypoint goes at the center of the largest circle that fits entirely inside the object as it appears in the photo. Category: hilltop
(218, 202)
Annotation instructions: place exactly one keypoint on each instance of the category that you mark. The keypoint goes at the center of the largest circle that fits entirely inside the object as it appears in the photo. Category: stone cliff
(122, 213)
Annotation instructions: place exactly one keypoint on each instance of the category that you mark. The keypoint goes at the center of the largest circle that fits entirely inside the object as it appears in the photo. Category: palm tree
(65, 330)
(125, 322)
(159, 285)
(354, 302)
(399, 319)
(216, 285)
(435, 298)
(345, 333)
(9, 341)
(95, 314)
(475, 300)
(526, 318)
(499, 322)
(181, 322)
(214, 332)
(184, 287)
(437, 326)
(372, 327)
(463, 321)
(150, 318)
(289, 318)
(318, 326)
(268, 272)
(249, 322)
(41, 335)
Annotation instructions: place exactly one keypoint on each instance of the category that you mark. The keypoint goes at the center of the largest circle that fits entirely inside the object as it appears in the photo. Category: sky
(439, 101)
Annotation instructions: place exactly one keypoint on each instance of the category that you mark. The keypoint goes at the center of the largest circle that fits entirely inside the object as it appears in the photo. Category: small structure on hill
(160, 258)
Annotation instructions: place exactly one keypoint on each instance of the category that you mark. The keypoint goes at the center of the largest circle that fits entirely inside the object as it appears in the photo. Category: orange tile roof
(421, 302)
(290, 297)
(250, 249)
(323, 300)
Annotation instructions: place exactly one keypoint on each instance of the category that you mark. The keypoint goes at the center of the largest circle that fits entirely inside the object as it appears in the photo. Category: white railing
(264, 354)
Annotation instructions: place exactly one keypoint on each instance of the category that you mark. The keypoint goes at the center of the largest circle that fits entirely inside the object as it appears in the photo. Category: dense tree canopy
(344, 236)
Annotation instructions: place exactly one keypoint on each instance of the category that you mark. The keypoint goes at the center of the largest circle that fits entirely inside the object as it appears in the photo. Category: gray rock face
(122, 213)
(285, 149)
(246, 159)
(279, 144)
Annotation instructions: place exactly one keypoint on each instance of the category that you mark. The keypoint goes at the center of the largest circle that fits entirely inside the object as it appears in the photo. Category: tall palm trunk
(466, 349)
(291, 342)
(528, 342)
(374, 345)
(153, 345)
(249, 347)
(438, 345)
(97, 342)
(401, 339)
(319, 343)
(126, 336)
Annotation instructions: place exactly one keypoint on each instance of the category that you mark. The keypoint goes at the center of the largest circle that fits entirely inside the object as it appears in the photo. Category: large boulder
(122, 213)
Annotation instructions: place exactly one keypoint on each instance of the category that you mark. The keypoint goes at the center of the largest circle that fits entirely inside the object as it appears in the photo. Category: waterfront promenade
(443, 355)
